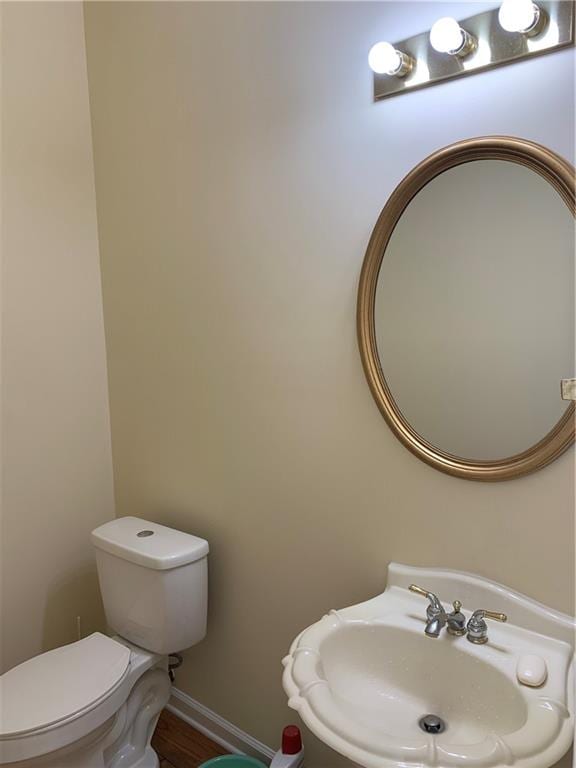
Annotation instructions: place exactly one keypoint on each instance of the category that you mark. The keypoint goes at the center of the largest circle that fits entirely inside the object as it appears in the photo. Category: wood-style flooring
(180, 746)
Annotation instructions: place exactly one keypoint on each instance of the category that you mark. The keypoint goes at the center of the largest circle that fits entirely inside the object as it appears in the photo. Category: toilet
(95, 703)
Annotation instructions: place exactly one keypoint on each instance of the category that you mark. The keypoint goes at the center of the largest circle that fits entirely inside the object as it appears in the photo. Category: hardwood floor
(181, 746)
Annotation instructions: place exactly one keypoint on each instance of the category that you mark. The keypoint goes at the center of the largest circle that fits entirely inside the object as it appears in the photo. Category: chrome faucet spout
(436, 616)
(435, 626)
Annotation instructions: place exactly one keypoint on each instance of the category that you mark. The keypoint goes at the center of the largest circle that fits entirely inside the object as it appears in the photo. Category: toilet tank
(154, 583)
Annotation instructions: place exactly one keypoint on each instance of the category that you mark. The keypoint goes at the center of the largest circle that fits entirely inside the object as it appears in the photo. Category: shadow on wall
(77, 594)
(567, 761)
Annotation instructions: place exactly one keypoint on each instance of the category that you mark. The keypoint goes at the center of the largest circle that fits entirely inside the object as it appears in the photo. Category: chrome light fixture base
(469, 45)
(406, 66)
(541, 21)
(495, 47)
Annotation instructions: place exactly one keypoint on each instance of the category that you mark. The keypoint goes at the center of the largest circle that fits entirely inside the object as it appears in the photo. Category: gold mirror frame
(560, 174)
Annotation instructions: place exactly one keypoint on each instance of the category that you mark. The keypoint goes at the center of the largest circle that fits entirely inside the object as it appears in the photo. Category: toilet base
(85, 758)
(148, 760)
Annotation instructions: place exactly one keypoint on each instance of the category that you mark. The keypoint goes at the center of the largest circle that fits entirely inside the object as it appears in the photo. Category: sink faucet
(476, 629)
(437, 618)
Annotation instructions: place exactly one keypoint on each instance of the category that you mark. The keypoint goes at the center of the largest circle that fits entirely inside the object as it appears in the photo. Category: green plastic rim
(233, 761)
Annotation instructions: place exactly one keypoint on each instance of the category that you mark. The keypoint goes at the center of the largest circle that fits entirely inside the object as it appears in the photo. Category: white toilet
(95, 703)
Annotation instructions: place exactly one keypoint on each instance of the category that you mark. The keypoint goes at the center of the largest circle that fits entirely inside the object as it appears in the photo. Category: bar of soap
(531, 671)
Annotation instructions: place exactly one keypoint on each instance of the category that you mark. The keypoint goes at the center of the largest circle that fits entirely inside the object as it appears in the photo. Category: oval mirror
(466, 308)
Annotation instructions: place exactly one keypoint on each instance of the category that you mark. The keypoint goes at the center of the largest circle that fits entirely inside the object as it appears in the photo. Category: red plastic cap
(291, 740)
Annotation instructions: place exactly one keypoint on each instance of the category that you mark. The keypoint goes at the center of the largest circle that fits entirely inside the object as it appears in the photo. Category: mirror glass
(474, 309)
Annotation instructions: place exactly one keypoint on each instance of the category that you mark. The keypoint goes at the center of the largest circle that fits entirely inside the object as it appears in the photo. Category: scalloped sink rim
(548, 712)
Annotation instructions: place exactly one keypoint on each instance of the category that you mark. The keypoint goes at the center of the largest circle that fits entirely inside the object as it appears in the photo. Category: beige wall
(240, 167)
(57, 480)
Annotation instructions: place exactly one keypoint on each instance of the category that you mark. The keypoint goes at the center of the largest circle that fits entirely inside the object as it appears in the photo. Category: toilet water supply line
(175, 660)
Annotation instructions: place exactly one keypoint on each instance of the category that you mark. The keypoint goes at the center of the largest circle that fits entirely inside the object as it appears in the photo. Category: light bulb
(446, 36)
(384, 59)
(522, 16)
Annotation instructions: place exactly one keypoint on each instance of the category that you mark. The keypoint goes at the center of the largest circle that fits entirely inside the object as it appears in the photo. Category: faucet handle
(477, 628)
(494, 615)
(435, 608)
(418, 590)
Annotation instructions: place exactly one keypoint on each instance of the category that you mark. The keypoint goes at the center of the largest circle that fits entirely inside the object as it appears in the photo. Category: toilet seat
(73, 726)
(60, 685)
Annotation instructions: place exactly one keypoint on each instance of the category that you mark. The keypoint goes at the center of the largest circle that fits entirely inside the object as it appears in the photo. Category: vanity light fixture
(384, 59)
(522, 16)
(514, 30)
(447, 36)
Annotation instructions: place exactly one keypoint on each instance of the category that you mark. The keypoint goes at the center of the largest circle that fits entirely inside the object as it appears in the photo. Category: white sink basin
(361, 679)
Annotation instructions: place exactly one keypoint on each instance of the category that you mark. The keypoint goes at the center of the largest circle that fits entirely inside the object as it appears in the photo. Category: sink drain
(432, 724)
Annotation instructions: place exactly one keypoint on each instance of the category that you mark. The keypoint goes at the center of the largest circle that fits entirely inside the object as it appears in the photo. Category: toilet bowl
(95, 703)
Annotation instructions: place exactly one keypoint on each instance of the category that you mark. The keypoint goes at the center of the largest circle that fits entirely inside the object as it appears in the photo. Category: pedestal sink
(362, 679)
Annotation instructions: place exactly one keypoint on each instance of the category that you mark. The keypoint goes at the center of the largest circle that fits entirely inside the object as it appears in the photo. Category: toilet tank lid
(148, 544)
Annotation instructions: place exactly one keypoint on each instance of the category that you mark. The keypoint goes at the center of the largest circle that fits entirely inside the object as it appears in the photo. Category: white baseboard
(217, 728)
